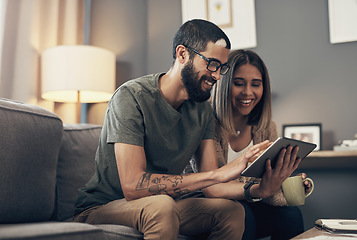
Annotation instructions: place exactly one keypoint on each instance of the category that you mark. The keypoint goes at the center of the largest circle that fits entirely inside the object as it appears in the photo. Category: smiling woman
(247, 90)
(241, 101)
(249, 76)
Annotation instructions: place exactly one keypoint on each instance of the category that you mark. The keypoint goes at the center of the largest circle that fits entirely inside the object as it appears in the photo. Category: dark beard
(193, 85)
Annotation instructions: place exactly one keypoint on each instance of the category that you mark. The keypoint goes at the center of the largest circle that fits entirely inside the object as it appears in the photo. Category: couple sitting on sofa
(153, 126)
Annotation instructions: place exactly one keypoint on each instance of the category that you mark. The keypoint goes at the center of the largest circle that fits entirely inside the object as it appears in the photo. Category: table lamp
(77, 74)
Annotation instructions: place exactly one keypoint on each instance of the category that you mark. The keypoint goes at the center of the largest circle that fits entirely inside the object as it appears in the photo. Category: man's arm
(207, 160)
(137, 182)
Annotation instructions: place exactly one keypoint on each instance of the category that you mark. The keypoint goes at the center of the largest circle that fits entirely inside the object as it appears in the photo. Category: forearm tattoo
(159, 185)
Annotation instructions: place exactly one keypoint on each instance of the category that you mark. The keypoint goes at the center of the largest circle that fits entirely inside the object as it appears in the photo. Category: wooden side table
(314, 232)
(330, 159)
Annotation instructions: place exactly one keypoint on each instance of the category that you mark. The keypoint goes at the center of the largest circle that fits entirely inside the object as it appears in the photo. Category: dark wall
(312, 80)
(121, 26)
(164, 19)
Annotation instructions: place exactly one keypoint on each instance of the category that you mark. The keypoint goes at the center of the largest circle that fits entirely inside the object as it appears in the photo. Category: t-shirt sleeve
(211, 125)
(124, 119)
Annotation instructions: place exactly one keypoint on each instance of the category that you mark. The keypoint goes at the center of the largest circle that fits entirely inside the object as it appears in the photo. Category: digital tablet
(257, 167)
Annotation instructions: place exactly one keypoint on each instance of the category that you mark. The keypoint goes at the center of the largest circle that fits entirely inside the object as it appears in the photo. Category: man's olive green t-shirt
(138, 114)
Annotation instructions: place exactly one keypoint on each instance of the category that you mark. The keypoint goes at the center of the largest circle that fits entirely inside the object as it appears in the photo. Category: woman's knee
(250, 225)
(293, 216)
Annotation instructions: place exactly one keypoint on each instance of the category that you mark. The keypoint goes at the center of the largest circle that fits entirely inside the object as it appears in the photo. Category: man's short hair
(196, 34)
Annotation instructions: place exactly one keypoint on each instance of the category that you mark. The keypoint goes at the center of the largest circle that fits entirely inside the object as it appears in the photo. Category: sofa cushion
(29, 145)
(120, 232)
(51, 230)
(76, 164)
(114, 232)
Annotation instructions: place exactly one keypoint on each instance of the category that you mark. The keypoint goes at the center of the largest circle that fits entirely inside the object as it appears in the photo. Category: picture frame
(342, 20)
(235, 17)
(311, 132)
(220, 12)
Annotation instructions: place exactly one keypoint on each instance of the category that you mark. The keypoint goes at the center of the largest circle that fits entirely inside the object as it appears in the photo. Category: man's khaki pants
(161, 217)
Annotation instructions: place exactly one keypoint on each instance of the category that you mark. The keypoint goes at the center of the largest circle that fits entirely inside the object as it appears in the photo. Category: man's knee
(160, 218)
(230, 220)
(230, 209)
(162, 206)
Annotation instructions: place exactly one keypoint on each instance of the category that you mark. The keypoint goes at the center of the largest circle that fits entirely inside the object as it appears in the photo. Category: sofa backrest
(30, 140)
(76, 164)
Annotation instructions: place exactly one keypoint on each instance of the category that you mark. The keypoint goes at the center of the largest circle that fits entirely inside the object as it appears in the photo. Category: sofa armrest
(30, 141)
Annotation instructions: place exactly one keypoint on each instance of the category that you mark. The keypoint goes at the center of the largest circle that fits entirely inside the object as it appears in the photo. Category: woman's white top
(233, 154)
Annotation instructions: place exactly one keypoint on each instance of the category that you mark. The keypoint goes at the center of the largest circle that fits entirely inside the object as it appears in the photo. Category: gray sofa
(43, 163)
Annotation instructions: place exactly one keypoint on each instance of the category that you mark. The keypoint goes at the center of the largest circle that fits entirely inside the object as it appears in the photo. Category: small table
(314, 232)
(330, 159)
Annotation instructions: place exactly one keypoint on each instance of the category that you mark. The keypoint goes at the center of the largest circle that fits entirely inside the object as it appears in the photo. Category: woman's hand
(273, 177)
(307, 184)
(233, 169)
(253, 152)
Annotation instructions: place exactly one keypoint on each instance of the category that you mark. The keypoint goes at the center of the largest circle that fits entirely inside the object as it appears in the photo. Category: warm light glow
(71, 96)
(69, 70)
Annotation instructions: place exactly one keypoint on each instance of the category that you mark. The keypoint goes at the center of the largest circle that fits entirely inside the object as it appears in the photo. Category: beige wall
(120, 26)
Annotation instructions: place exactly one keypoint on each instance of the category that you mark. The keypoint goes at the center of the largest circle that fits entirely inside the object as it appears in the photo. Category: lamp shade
(77, 73)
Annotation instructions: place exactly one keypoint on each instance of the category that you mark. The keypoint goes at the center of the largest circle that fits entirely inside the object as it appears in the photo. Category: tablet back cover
(257, 168)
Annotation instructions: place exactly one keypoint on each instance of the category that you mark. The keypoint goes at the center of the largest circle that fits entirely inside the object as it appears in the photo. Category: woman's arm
(271, 181)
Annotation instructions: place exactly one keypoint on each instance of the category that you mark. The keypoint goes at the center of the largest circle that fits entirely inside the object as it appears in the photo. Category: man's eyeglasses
(212, 64)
